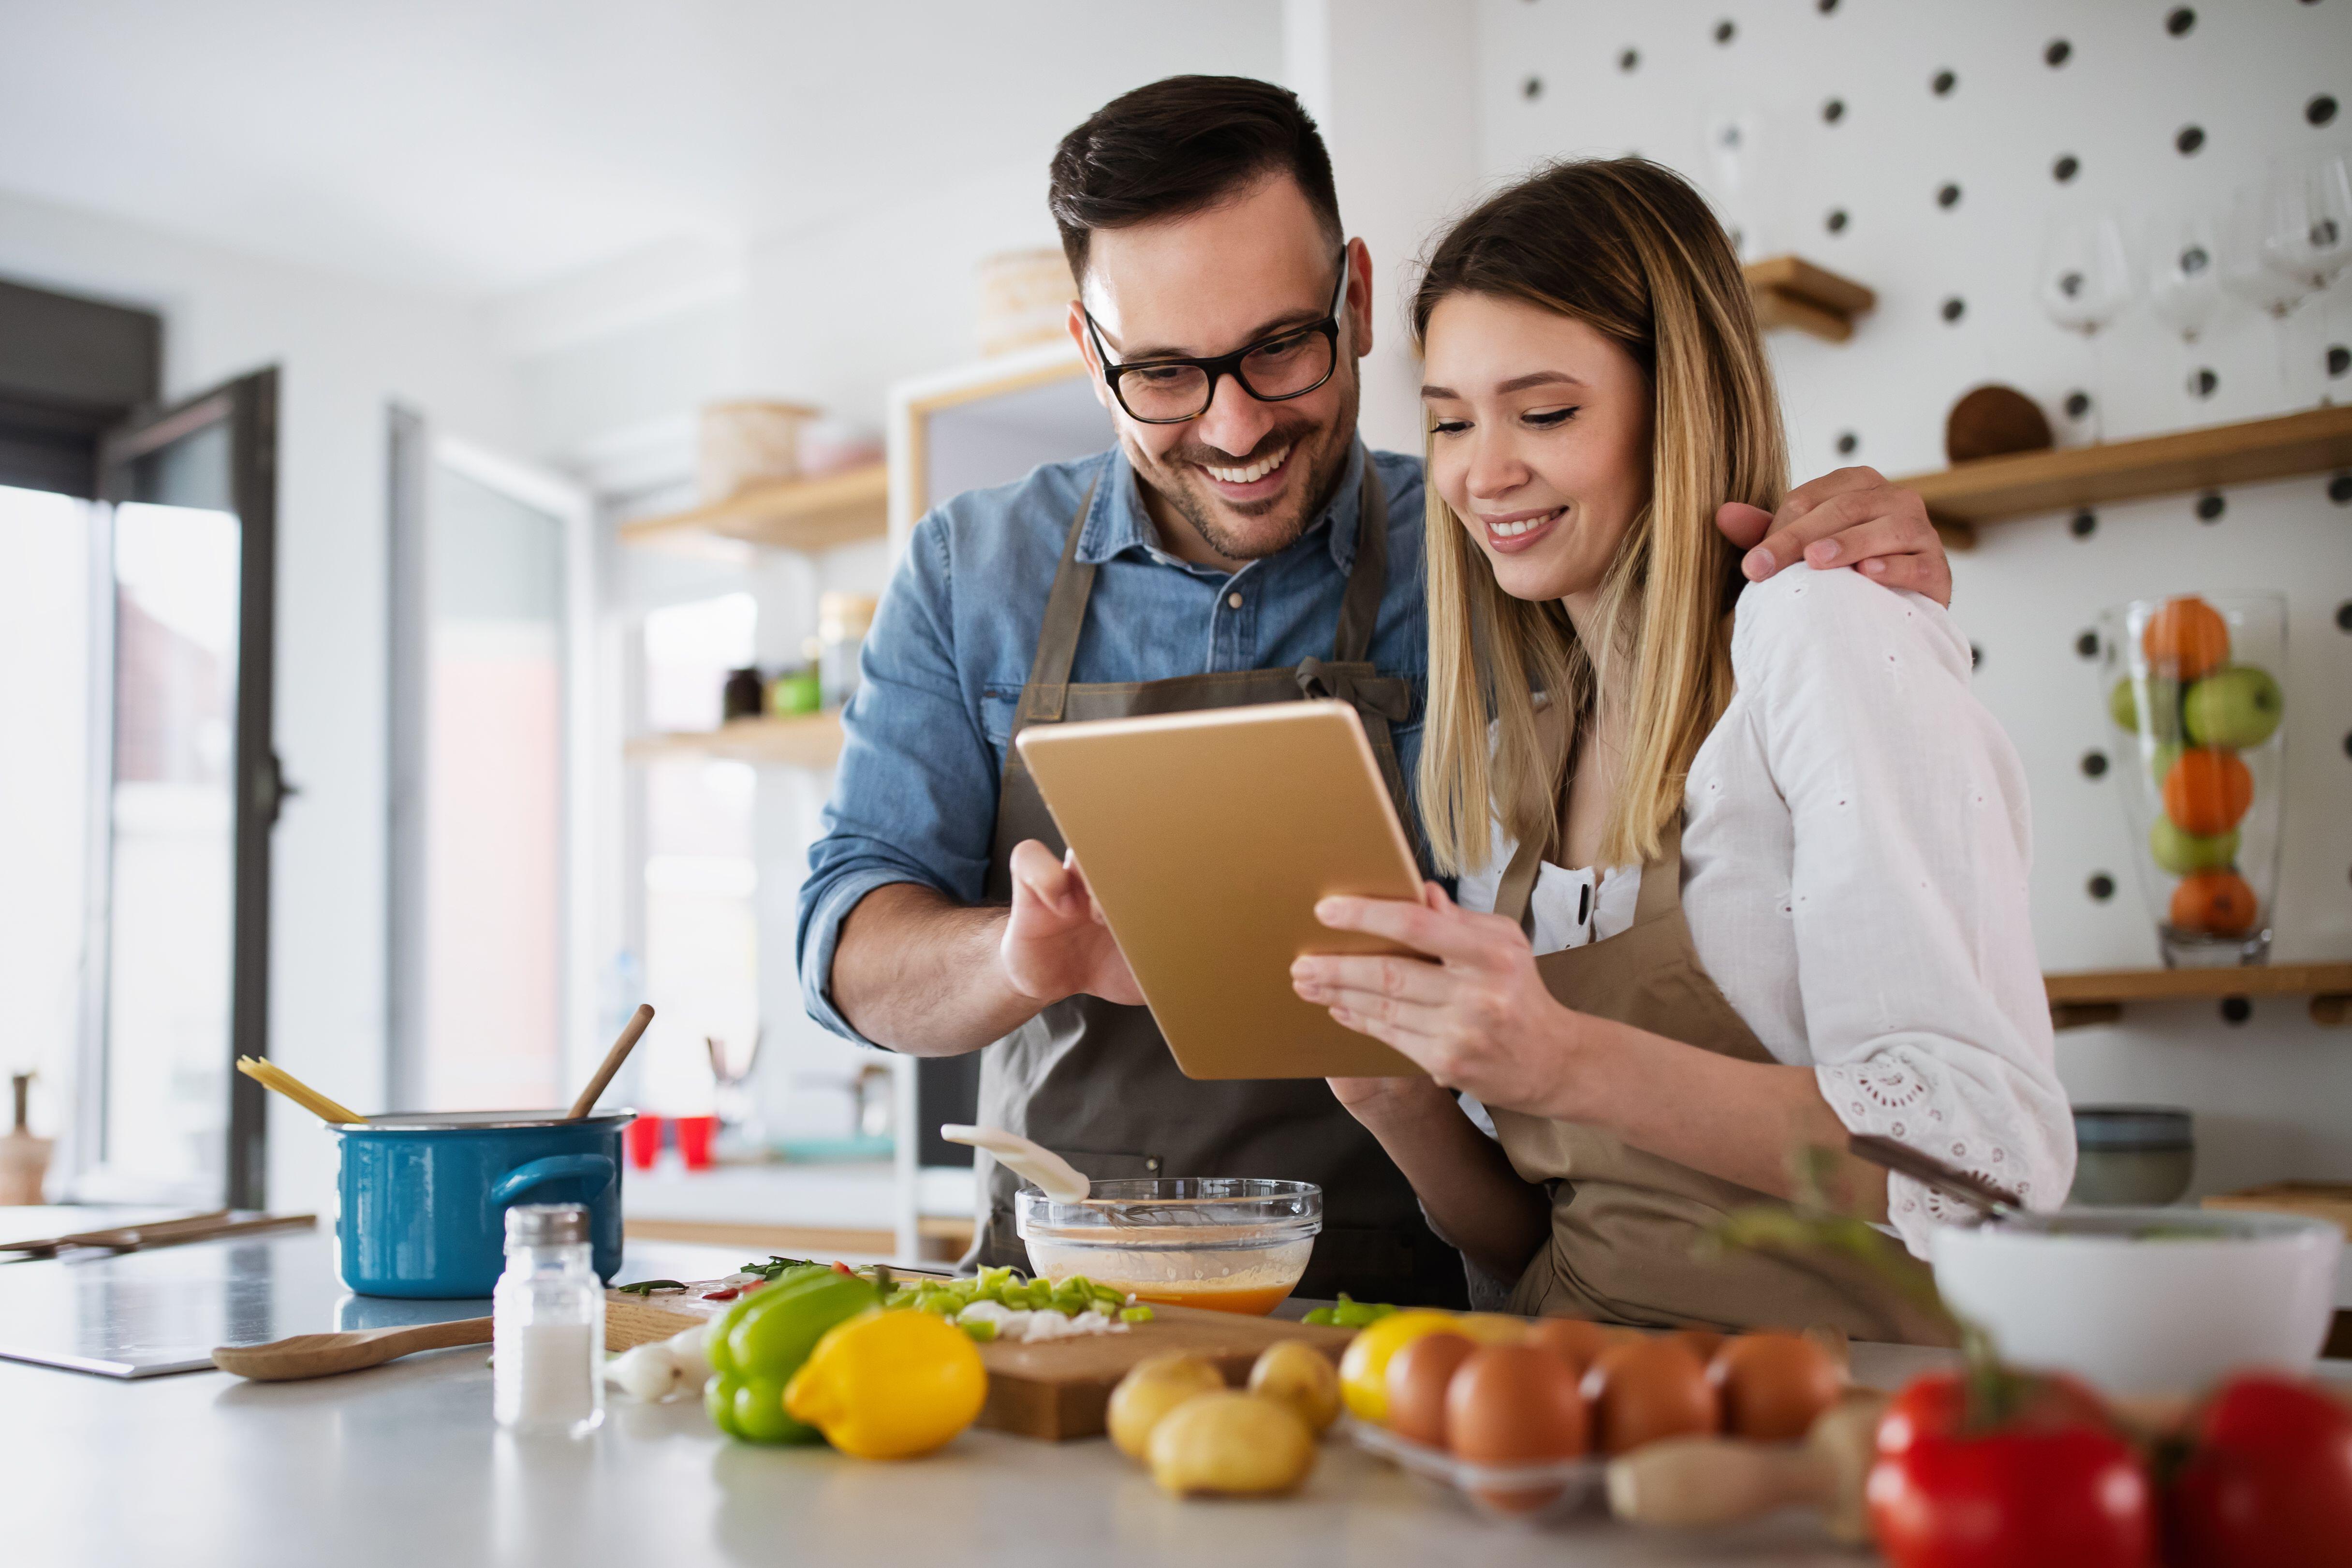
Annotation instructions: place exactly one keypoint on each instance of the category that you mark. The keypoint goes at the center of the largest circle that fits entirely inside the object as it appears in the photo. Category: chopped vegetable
(647, 1287)
(1135, 1314)
(1349, 1313)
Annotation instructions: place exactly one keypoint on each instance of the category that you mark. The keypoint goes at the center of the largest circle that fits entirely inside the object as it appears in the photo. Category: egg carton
(1533, 1494)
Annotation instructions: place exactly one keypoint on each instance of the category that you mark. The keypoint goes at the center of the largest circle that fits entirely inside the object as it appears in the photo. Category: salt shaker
(547, 1324)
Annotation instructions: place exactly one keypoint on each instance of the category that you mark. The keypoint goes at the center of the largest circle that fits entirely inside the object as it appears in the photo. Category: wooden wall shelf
(2089, 996)
(807, 740)
(1789, 291)
(793, 513)
(1996, 488)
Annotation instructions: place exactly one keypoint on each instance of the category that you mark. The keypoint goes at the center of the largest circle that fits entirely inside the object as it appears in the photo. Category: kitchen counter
(402, 1465)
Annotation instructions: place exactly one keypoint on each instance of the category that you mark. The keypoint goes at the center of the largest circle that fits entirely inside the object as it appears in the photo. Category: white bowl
(2148, 1301)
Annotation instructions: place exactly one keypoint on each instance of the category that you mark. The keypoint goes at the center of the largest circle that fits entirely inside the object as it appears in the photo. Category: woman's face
(1542, 440)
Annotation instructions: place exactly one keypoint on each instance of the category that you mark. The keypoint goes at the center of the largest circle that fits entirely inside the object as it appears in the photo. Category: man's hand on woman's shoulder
(1849, 517)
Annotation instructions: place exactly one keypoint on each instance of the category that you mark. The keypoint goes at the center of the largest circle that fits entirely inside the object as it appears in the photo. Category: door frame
(248, 405)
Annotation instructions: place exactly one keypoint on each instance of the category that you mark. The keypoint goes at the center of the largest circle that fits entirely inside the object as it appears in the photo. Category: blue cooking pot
(425, 1197)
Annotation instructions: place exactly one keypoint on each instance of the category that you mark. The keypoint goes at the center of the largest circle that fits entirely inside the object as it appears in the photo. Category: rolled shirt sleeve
(915, 797)
(1922, 995)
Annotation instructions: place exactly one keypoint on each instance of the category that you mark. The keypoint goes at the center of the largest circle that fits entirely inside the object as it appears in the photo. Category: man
(1239, 545)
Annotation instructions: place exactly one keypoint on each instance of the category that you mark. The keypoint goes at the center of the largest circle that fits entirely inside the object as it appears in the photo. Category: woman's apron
(1625, 1224)
(1096, 1083)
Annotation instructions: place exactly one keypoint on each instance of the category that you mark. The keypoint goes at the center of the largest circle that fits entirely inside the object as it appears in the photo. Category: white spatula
(1055, 1175)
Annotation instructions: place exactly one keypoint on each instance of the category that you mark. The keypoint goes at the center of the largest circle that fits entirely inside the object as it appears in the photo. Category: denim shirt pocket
(998, 704)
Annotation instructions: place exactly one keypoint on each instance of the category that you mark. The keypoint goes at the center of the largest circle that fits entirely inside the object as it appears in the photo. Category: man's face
(1246, 476)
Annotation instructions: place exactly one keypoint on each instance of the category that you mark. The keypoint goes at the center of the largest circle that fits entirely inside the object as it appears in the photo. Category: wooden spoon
(612, 1063)
(324, 1355)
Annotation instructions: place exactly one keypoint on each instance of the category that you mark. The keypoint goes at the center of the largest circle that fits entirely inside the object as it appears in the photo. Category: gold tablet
(1207, 838)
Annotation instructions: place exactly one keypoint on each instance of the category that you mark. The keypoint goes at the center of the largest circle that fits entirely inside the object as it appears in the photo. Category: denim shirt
(951, 646)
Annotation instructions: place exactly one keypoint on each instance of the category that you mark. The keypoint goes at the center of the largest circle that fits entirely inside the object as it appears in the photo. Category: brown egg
(1417, 1377)
(1774, 1385)
(1576, 1341)
(1645, 1390)
(1515, 1404)
(1702, 1342)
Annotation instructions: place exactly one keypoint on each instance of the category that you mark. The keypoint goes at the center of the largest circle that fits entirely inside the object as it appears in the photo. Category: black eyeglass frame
(1227, 364)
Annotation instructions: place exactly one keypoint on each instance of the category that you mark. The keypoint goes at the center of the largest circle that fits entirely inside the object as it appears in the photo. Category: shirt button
(1234, 600)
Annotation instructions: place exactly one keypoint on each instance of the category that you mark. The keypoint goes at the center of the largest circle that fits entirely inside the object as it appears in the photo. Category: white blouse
(1856, 841)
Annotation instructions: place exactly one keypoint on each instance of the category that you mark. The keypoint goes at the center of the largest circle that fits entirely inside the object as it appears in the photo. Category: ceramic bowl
(2148, 1301)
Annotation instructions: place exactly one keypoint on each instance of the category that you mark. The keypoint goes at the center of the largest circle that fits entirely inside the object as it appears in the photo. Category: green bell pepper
(755, 1349)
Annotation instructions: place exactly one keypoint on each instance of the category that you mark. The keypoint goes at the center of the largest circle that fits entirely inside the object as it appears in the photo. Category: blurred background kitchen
(450, 453)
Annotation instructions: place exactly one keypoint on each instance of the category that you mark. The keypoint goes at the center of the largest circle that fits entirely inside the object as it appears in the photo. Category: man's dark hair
(1180, 146)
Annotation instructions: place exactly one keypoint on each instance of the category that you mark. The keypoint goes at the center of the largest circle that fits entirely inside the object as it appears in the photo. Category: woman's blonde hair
(1627, 247)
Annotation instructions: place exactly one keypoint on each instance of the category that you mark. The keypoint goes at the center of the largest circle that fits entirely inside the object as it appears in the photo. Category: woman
(1742, 869)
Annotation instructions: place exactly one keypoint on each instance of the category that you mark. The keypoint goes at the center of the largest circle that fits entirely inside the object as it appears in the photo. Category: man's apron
(1096, 1083)
(1626, 1223)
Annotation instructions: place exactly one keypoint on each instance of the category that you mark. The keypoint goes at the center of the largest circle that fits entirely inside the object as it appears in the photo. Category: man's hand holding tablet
(1057, 943)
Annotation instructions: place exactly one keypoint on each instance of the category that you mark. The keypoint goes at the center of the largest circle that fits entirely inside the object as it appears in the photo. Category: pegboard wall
(1923, 147)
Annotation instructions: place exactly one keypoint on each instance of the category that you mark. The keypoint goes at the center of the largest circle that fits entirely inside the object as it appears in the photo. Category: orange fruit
(2186, 639)
(2217, 902)
(2207, 791)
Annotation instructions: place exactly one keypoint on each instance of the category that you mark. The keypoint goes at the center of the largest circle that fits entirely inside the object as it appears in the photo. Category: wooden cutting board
(1054, 1390)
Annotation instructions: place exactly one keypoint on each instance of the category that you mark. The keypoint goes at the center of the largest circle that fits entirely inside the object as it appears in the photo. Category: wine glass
(2307, 233)
(2184, 284)
(2086, 281)
(2246, 272)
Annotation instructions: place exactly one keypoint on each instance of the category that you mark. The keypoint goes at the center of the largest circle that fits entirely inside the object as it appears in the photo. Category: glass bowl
(1232, 1244)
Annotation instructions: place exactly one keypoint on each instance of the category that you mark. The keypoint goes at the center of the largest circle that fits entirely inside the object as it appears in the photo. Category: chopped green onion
(1135, 1314)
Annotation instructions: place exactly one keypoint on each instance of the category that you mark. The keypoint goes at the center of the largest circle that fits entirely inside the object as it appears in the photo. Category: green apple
(2164, 698)
(2236, 706)
(2122, 707)
(2181, 854)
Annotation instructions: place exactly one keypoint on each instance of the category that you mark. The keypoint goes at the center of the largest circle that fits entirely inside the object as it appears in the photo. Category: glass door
(185, 789)
(491, 617)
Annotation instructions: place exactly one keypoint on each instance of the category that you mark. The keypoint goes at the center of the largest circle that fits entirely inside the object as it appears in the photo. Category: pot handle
(598, 1169)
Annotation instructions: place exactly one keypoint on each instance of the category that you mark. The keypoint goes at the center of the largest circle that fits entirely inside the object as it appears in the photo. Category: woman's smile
(1508, 533)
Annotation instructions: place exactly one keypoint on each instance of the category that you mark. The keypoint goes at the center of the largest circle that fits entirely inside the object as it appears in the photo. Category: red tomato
(1937, 1405)
(2268, 1481)
(2033, 1497)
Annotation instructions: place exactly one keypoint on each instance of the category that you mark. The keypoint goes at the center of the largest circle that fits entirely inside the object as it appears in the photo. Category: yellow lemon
(889, 1384)
(1364, 1369)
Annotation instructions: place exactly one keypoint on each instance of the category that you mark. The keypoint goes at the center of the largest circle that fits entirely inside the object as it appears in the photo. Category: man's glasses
(1291, 363)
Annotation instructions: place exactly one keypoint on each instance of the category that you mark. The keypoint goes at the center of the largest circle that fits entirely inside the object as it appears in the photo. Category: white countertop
(401, 1466)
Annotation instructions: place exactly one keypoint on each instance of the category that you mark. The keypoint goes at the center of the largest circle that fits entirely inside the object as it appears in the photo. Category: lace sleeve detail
(1902, 1092)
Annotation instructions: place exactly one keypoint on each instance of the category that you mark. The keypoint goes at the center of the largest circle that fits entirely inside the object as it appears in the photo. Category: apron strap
(1518, 884)
(1057, 642)
(1367, 580)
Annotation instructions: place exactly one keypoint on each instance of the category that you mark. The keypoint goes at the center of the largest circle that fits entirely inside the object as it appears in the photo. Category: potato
(1149, 1391)
(1300, 1376)
(1231, 1443)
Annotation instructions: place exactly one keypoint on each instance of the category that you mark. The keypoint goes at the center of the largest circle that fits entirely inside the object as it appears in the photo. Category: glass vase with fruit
(2193, 681)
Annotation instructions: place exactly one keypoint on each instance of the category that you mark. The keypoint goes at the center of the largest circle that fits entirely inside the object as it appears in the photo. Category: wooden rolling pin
(1689, 1482)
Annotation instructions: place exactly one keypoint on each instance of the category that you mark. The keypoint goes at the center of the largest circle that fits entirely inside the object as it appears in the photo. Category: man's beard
(1324, 448)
